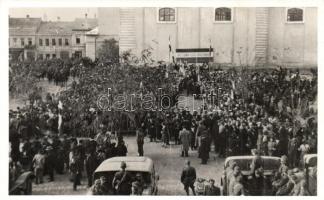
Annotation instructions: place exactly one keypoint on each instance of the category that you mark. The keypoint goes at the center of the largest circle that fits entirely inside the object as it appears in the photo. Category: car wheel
(29, 187)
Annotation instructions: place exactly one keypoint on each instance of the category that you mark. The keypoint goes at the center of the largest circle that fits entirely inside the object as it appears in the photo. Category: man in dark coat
(188, 177)
(211, 189)
(91, 163)
(140, 141)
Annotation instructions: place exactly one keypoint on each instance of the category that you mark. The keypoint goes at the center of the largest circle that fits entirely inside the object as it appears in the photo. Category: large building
(231, 36)
(22, 37)
(32, 38)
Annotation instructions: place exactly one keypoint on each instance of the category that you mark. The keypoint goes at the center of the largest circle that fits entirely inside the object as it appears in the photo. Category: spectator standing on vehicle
(122, 181)
(38, 164)
(188, 177)
(211, 189)
(140, 141)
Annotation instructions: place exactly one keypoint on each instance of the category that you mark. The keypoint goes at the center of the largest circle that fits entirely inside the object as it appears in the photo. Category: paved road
(168, 164)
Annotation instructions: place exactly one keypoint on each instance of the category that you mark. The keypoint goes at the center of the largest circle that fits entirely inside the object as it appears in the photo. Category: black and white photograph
(171, 101)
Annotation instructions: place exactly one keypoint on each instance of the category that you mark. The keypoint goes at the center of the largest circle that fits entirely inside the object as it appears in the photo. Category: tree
(109, 51)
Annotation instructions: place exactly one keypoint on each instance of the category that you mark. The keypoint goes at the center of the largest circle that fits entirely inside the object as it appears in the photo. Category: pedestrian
(188, 177)
(38, 164)
(184, 137)
(140, 141)
(50, 162)
(91, 163)
(75, 168)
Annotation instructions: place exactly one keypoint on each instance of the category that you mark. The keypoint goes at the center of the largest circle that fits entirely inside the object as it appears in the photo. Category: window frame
(47, 42)
(166, 22)
(60, 42)
(294, 22)
(40, 42)
(78, 40)
(22, 42)
(225, 21)
(66, 42)
(53, 42)
(30, 41)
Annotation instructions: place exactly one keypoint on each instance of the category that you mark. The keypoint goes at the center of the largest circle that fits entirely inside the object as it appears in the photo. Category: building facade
(22, 37)
(234, 36)
(32, 38)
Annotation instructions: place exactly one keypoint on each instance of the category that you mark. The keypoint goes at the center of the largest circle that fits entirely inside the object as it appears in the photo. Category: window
(77, 40)
(48, 56)
(14, 40)
(167, 15)
(22, 42)
(66, 42)
(40, 42)
(295, 15)
(53, 55)
(40, 56)
(223, 14)
(60, 41)
(53, 42)
(47, 42)
(30, 41)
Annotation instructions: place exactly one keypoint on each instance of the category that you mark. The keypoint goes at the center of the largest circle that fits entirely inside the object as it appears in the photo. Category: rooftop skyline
(52, 14)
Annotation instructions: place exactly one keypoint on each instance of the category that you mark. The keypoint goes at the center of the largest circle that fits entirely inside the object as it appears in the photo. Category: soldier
(122, 181)
(188, 177)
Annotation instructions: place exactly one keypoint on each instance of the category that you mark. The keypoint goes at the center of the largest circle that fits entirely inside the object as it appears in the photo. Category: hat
(123, 165)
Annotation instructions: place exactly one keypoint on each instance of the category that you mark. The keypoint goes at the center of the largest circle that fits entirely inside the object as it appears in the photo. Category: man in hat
(256, 161)
(211, 189)
(140, 141)
(188, 177)
(50, 162)
(121, 182)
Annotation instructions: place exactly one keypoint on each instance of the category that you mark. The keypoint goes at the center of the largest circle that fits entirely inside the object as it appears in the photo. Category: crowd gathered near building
(269, 112)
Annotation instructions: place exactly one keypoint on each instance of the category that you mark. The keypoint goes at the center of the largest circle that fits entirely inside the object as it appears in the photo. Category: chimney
(27, 16)
(58, 19)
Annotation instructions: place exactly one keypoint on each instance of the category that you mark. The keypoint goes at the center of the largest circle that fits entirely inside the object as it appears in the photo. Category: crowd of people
(270, 110)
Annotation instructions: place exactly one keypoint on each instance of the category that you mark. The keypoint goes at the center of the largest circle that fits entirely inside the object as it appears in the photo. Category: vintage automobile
(269, 164)
(22, 185)
(143, 165)
(310, 161)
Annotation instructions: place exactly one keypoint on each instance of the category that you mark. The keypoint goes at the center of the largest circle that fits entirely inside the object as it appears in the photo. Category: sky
(65, 14)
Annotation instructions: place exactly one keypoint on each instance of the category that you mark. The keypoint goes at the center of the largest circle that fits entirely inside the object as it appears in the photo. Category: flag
(210, 48)
(170, 49)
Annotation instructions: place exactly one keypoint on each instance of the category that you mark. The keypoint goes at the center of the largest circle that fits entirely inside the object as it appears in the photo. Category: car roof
(236, 158)
(140, 164)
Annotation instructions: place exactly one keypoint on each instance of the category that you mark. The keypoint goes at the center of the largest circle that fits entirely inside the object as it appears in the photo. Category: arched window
(167, 14)
(295, 15)
(223, 14)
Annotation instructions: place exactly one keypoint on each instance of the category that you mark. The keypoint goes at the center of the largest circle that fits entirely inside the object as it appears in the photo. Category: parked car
(22, 185)
(269, 164)
(143, 165)
(311, 173)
